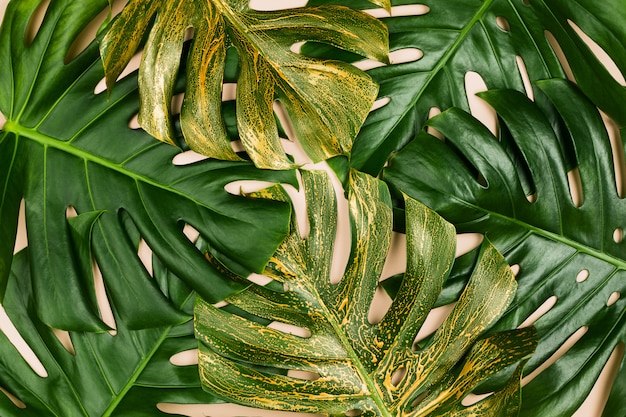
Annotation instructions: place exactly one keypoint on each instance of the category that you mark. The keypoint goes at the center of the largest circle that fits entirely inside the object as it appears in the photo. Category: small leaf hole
(144, 253)
(575, 187)
(613, 298)
(185, 358)
(618, 235)
(106, 313)
(16, 401)
(503, 23)
(521, 66)
(290, 329)
(515, 270)
(434, 111)
(303, 375)
(539, 312)
(399, 11)
(65, 340)
(601, 54)
(398, 376)
(188, 158)
(560, 55)
(354, 413)
(482, 111)
(582, 276)
(270, 5)
(380, 103)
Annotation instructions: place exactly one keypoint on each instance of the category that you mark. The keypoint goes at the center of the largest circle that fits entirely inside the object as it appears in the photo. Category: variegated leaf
(373, 369)
(326, 100)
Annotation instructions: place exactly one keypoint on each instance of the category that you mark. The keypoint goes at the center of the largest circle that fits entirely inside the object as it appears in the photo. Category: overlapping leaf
(326, 100)
(485, 37)
(572, 252)
(356, 364)
(64, 146)
(123, 375)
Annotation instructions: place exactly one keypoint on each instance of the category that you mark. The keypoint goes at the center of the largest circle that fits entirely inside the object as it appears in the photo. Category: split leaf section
(64, 148)
(327, 100)
(500, 40)
(515, 190)
(357, 366)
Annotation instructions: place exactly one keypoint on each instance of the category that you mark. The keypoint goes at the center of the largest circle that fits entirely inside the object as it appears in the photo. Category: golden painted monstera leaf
(326, 100)
(352, 365)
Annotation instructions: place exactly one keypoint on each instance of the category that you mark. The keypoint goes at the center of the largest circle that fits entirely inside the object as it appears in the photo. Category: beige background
(395, 264)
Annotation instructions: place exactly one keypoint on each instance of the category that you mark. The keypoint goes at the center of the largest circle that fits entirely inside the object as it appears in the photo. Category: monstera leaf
(327, 100)
(574, 252)
(66, 150)
(97, 374)
(357, 367)
(498, 39)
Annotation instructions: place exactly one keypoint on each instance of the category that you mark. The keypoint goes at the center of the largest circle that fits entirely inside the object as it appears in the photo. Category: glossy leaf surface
(65, 148)
(356, 364)
(123, 375)
(326, 100)
(500, 40)
(567, 250)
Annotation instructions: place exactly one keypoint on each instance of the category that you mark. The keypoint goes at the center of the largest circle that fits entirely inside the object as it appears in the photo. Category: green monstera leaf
(358, 367)
(326, 100)
(515, 190)
(66, 149)
(101, 375)
(500, 40)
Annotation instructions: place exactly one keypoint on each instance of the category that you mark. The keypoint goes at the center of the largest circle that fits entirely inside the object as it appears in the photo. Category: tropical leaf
(571, 251)
(485, 37)
(326, 100)
(359, 367)
(65, 147)
(100, 374)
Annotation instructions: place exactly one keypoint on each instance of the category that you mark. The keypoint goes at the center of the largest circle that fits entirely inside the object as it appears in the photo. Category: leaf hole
(539, 312)
(242, 187)
(434, 111)
(399, 11)
(16, 401)
(399, 56)
(466, 242)
(521, 66)
(86, 36)
(133, 123)
(595, 402)
(562, 350)
(421, 397)
(144, 253)
(21, 239)
(106, 312)
(482, 111)
(290, 329)
(515, 270)
(381, 302)
(270, 5)
(601, 54)
(354, 413)
(398, 376)
(185, 358)
(575, 187)
(177, 103)
(297, 47)
(229, 91)
(472, 398)
(433, 321)
(531, 197)
(188, 158)
(191, 233)
(35, 22)
(558, 51)
(380, 103)
(65, 339)
(617, 148)
(132, 67)
(613, 298)
(582, 276)
(303, 375)
(259, 279)
(10, 331)
(503, 24)
(618, 235)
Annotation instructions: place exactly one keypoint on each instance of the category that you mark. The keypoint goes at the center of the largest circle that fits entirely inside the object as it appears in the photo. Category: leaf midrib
(617, 262)
(66, 147)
